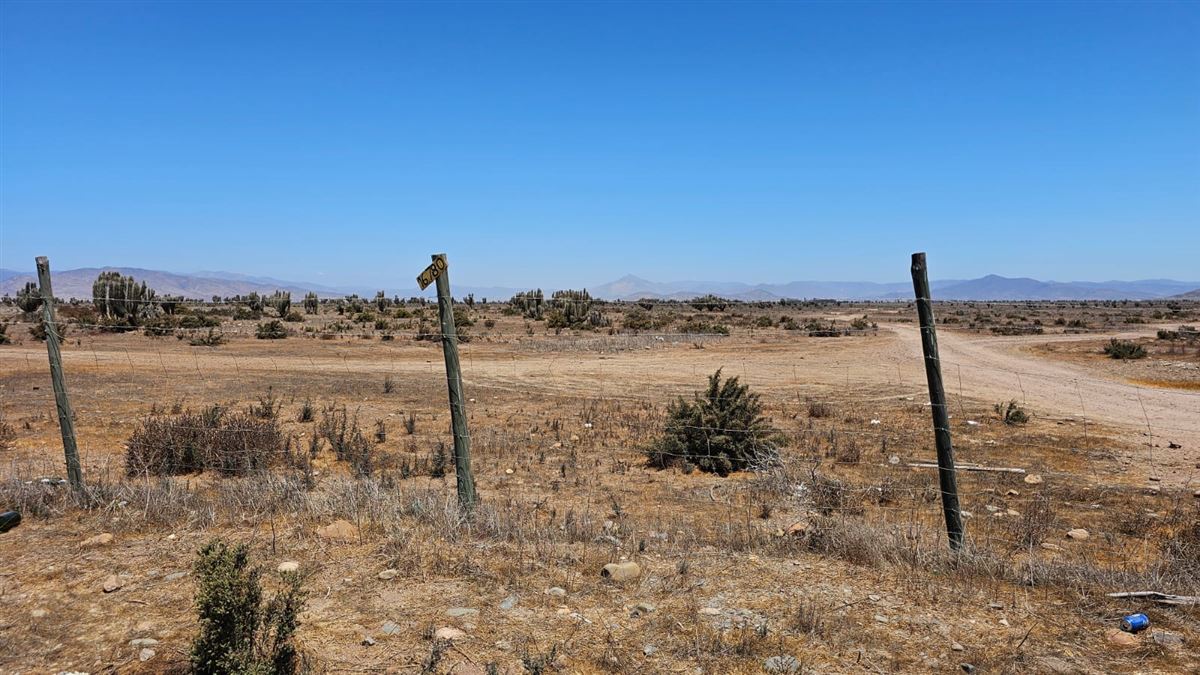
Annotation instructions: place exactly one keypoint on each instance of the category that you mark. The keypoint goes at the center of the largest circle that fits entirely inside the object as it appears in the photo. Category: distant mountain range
(78, 284)
(990, 287)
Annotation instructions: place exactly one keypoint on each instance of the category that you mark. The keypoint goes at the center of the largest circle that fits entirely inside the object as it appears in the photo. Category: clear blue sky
(568, 144)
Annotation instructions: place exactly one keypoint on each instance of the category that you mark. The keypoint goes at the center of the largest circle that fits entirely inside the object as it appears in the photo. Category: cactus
(280, 301)
(312, 304)
(122, 298)
(29, 298)
(381, 301)
(528, 304)
(574, 309)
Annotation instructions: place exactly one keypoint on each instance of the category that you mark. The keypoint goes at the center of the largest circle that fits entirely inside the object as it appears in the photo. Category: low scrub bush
(239, 633)
(213, 439)
(271, 330)
(721, 430)
(1124, 349)
(1011, 413)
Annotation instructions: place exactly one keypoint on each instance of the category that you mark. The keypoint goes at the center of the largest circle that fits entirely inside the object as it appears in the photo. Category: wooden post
(937, 404)
(66, 419)
(458, 409)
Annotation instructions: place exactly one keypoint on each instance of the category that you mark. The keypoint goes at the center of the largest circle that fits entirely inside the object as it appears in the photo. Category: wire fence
(849, 439)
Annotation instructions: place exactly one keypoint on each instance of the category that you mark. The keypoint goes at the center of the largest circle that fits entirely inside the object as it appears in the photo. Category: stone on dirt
(113, 583)
(388, 574)
(448, 633)
(621, 571)
(1078, 534)
(289, 566)
(338, 530)
(103, 539)
(1121, 638)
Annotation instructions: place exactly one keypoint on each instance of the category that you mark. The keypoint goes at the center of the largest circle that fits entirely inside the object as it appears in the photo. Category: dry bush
(1036, 522)
(819, 409)
(213, 439)
(346, 438)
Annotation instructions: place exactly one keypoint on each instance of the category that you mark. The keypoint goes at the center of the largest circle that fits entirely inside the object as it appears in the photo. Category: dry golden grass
(803, 559)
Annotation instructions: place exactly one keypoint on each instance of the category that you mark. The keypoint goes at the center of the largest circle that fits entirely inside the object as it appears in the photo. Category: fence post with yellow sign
(437, 273)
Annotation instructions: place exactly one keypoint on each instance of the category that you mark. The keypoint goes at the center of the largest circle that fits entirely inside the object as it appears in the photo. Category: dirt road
(999, 368)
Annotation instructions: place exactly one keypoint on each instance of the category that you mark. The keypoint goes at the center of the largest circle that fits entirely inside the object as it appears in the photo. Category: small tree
(721, 430)
(238, 633)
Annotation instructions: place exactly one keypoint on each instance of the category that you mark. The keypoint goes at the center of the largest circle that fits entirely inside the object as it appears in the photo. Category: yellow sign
(431, 273)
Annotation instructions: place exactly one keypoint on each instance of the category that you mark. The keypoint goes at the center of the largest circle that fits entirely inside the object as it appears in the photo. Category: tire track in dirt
(997, 368)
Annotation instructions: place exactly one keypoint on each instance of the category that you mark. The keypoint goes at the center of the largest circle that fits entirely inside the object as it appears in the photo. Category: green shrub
(29, 298)
(1124, 349)
(721, 430)
(239, 633)
(1010, 413)
(271, 330)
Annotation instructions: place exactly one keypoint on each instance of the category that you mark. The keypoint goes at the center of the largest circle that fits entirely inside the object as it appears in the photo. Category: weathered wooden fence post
(437, 271)
(937, 403)
(66, 419)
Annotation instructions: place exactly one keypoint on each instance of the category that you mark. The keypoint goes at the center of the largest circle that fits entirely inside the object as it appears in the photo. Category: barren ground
(836, 558)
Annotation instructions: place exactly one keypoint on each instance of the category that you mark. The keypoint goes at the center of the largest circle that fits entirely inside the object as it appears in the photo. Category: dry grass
(801, 559)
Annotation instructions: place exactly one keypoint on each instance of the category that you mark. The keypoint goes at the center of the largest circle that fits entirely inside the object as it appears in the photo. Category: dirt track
(999, 368)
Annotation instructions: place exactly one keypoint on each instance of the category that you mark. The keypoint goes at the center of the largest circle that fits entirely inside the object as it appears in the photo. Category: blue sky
(567, 144)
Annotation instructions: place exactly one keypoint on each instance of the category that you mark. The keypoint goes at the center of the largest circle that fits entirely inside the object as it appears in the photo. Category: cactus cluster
(575, 309)
(280, 301)
(29, 298)
(122, 298)
(312, 304)
(528, 303)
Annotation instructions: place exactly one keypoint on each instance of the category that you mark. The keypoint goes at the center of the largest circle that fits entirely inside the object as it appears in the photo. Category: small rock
(1168, 640)
(881, 618)
(1051, 547)
(289, 567)
(782, 664)
(967, 667)
(1033, 479)
(995, 605)
(1121, 638)
(957, 647)
(1013, 493)
(509, 602)
(390, 628)
(556, 591)
(448, 633)
(710, 611)
(367, 641)
(458, 612)
(1004, 622)
(338, 530)
(894, 459)
(621, 571)
(649, 650)
(113, 583)
(874, 598)
(642, 609)
(1078, 534)
(143, 642)
(99, 540)
(388, 574)
(1154, 479)
(146, 654)
(39, 613)
(174, 576)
